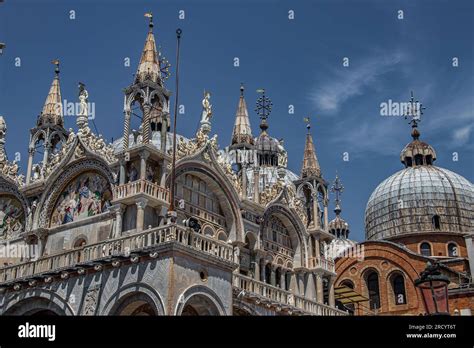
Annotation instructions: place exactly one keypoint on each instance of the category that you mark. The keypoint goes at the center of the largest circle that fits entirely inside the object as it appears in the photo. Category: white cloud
(461, 135)
(351, 81)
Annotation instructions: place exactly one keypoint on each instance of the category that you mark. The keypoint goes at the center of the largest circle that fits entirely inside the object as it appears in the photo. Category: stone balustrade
(282, 298)
(118, 247)
(322, 263)
(144, 187)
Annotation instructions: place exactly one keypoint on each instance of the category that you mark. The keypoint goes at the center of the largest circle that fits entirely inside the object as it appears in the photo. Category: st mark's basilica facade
(247, 237)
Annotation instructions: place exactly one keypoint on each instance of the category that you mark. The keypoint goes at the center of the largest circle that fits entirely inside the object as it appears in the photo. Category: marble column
(256, 266)
(332, 302)
(319, 288)
(118, 209)
(164, 126)
(126, 129)
(326, 216)
(264, 273)
(316, 220)
(143, 157)
(141, 204)
(272, 277)
(31, 152)
(164, 173)
(47, 149)
(122, 174)
(146, 123)
(244, 180)
(282, 278)
(256, 181)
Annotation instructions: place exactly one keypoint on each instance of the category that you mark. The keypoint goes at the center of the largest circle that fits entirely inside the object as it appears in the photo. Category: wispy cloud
(344, 83)
(462, 134)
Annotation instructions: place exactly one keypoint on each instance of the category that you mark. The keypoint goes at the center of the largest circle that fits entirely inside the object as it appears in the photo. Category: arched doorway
(37, 306)
(136, 304)
(199, 305)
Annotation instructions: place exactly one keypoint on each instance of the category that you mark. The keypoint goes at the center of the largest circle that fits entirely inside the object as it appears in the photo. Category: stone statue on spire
(206, 113)
(82, 115)
(206, 108)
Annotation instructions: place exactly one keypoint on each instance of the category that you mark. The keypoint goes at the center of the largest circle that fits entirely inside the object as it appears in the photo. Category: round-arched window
(425, 249)
(453, 250)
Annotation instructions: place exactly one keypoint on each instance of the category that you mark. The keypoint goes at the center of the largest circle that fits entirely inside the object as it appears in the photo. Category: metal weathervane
(264, 105)
(414, 111)
(337, 188)
(307, 120)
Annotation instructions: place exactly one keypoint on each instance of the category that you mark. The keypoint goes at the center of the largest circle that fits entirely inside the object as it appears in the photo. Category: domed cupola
(421, 202)
(338, 227)
(269, 150)
(417, 153)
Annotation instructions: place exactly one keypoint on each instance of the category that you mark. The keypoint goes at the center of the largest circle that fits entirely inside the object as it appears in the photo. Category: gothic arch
(210, 299)
(218, 181)
(56, 185)
(37, 301)
(126, 297)
(295, 227)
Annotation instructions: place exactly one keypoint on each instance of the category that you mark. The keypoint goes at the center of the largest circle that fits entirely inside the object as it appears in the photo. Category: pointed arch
(221, 186)
(295, 227)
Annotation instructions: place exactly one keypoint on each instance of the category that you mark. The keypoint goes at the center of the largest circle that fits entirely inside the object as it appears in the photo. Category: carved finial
(56, 70)
(149, 15)
(308, 123)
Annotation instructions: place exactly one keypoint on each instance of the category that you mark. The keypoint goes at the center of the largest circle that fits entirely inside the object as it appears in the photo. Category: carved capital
(141, 203)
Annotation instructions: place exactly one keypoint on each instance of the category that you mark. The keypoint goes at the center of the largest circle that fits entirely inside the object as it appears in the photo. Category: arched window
(79, 243)
(398, 286)
(435, 221)
(425, 249)
(208, 231)
(268, 273)
(347, 283)
(278, 277)
(373, 288)
(453, 250)
(419, 160)
(287, 280)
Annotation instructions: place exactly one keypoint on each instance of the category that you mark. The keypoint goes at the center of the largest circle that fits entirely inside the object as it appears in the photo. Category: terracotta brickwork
(388, 259)
(438, 242)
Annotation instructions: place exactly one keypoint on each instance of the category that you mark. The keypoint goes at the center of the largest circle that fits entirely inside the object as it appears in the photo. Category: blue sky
(299, 62)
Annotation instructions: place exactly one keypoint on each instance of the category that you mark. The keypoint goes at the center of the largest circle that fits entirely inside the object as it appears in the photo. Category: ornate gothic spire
(149, 66)
(310, 161)
(52, 113)
(242, 133)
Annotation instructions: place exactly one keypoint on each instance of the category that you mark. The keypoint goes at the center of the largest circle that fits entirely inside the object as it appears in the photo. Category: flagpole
(171, 211)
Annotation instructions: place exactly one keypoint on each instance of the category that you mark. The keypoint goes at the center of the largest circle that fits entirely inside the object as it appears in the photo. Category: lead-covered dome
(419, 199)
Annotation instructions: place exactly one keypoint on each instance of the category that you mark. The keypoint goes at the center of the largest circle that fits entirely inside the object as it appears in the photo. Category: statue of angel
(206, 108)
